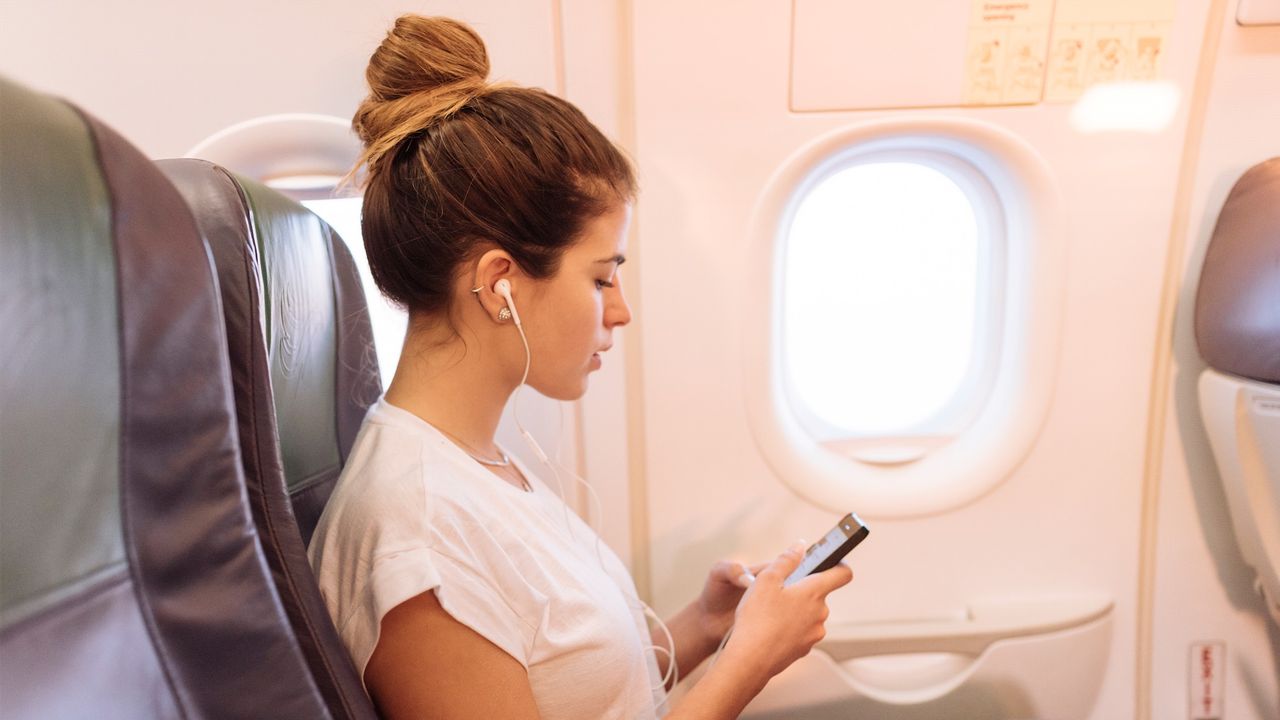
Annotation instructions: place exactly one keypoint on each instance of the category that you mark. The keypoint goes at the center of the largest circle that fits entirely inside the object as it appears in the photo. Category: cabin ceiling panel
(170, 74)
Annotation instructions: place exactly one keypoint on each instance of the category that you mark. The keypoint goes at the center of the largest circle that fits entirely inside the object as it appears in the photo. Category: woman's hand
(776, 625)
(699, 627)
(720, 596)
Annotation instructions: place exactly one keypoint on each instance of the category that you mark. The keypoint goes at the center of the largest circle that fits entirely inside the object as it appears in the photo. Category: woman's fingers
(824, 582)
(743, 575)
(781, 567)
(731, 572)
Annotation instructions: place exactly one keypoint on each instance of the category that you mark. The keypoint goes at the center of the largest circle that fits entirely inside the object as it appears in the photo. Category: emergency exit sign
(1207, 672)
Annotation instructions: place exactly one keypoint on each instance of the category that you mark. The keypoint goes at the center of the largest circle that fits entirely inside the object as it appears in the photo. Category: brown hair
(453, 161)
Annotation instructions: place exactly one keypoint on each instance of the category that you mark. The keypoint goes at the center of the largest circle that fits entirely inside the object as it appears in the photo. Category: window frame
(937, 473)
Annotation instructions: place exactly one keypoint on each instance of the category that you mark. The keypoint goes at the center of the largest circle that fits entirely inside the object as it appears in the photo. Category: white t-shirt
(412, 512)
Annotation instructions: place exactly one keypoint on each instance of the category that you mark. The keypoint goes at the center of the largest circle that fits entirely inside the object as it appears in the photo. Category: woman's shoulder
(400, 472)
(385, 463)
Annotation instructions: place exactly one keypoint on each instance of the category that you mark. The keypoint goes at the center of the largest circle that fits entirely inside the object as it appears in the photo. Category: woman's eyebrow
(616, 258)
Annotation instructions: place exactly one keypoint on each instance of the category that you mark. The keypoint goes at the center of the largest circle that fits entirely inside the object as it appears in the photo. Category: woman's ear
(494, 265)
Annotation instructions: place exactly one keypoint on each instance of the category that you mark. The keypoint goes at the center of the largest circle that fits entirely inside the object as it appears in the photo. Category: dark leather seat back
(1237, 328)
(133, 583)
(304, 373)
(1237, 310)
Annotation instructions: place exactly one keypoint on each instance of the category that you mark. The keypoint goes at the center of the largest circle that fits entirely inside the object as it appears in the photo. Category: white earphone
(503, 288)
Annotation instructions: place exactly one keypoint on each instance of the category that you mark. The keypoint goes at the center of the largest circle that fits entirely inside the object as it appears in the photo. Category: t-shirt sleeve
(464, 580)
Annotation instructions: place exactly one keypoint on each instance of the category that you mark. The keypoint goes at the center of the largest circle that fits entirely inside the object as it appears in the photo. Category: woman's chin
(565, 392)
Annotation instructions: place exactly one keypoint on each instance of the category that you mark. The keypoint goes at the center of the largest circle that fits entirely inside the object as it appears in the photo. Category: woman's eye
(600, 284)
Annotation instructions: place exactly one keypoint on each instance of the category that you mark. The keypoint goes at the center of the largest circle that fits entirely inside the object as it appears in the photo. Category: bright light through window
(880, 300)
(388, 321)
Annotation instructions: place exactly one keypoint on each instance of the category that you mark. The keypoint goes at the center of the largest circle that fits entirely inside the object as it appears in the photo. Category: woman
(460, 584)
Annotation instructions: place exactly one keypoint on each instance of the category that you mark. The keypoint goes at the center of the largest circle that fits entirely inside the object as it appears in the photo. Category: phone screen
(831, 548)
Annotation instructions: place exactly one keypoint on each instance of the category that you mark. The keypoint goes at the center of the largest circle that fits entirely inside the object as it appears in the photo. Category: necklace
(503, 460)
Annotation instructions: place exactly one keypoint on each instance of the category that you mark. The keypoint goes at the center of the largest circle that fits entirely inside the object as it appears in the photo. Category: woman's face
(572, 314)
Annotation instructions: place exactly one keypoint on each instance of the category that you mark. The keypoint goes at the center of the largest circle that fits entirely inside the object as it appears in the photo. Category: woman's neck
(448, 382)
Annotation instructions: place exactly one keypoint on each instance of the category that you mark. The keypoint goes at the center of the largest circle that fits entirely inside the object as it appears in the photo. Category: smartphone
(833, 546)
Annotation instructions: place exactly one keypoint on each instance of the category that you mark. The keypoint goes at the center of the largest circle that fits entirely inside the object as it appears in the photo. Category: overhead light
(313, 182)
(1129, 106)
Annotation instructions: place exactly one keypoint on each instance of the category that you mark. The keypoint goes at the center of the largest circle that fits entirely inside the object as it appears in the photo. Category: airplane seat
(1237, 328)
(304, 372)
(132, 583)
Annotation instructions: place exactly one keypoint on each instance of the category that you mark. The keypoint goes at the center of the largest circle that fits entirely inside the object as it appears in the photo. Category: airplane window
(903, 313)
(388, 320)
(884, 332)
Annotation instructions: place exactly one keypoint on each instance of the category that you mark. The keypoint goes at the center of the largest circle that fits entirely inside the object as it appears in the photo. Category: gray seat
(133, 583)
(304, 372)
(1237, 326)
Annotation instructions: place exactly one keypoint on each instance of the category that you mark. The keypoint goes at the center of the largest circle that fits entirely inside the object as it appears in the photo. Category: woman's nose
(617, 312)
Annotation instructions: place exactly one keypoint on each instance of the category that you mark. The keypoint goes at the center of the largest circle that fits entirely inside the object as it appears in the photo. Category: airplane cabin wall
(167, 75)
(712, 125)
(692, 90)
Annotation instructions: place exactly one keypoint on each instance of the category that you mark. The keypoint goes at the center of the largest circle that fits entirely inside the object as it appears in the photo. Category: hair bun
(425, 70)
(422, 53)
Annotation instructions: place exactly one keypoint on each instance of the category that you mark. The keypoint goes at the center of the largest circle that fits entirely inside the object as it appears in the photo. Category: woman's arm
(428, 665)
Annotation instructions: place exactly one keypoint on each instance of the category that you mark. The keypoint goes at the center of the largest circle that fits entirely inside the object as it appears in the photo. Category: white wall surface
(169, 74)
(712, 125)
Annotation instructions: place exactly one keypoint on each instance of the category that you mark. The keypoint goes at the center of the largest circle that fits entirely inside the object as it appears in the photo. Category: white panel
(1258, 12)
(879, 54)
(1242, 419)
(169, 74)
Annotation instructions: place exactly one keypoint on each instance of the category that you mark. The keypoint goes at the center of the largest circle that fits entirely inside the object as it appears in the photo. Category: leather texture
(358, 383)
(189, 624)
(317, 325)
(297, 300)
(88, 658)
(260, 240)
(204, 583)
(1237, 312)
(60, 518)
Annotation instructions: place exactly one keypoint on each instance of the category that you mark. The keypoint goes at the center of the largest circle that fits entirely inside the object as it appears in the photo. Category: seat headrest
(1237, 312)
(291, 291)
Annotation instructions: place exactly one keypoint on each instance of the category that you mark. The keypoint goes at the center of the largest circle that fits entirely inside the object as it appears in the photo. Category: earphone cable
(671, 676)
